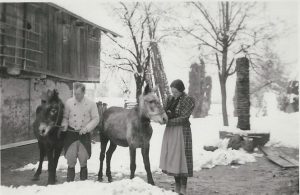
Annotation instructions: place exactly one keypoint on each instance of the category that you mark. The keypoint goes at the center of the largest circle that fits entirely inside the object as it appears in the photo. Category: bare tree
(270, 74)
(141, 21)
(135, 55)
(225, 31)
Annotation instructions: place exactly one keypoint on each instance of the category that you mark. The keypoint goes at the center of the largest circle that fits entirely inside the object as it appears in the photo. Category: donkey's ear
(147, 89)
(155, 89)
(55, 92)
(49, 93)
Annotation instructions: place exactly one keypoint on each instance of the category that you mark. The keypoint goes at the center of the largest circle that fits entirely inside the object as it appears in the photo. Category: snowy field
(282, 127)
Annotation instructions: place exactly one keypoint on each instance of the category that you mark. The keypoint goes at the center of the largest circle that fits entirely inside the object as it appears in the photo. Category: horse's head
(51, 113)
(150, 107)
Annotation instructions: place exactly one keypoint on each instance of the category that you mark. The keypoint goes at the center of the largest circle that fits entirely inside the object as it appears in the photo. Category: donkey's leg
(110, 151)
(145, 154)
(42, 155)
(103, 140)
(132, 162)
(51, 170)
(57, 153)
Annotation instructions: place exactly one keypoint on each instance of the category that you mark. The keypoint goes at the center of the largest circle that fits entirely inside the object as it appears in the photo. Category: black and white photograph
(156, 97)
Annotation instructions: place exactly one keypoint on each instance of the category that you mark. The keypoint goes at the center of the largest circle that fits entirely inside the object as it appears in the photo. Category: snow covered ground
(282, 127)
(135, 186)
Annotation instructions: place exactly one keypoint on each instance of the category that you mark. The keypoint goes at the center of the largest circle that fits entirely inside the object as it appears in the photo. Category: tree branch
(122, 47)
(230, 66)
(204, 12)
(232, 37)
(216, 39)
(147, 61)
(202, 40)
(218, 62)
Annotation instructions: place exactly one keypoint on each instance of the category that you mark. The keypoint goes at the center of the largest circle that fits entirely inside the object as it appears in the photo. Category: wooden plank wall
(11, 37)
(54, 42)
(93, 44)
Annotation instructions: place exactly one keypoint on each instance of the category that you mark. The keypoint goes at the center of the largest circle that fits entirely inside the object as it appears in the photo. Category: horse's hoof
(35, 178)
(100, 179)
(151, 182)
(110, 179)
(51, 183)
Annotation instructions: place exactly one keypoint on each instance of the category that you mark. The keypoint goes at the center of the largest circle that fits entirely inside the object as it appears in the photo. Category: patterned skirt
(176, 158)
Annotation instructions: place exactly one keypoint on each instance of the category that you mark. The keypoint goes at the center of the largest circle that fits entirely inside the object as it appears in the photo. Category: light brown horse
(130, 128)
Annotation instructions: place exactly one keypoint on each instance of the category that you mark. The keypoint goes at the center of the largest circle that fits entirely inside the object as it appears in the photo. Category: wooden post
(242, 95)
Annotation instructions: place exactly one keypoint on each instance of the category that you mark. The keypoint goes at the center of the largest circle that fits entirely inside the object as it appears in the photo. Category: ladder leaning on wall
(159, 76)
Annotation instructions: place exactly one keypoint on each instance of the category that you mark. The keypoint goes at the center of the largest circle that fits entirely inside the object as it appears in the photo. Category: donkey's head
(150, 107)
(51, 113)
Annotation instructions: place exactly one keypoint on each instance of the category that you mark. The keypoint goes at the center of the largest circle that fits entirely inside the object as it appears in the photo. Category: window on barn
(66, 32)
(93, 32)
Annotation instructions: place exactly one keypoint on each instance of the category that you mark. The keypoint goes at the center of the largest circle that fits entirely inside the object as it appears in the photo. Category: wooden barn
(42, 46)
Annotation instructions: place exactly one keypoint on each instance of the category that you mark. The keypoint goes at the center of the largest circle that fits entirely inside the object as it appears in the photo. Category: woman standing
(176, 153)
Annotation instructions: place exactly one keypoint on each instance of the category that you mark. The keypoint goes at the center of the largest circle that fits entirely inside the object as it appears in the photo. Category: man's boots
(70, 174)
(83, 173)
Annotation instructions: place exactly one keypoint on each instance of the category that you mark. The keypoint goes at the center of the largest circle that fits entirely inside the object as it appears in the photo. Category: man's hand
(64, 128)
(83, 131)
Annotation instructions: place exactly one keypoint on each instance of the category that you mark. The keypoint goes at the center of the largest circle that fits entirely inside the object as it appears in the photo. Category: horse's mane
(54, 97)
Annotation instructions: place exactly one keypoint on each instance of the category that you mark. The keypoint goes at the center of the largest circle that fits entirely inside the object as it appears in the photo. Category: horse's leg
(132, 161)
(103, 140)
(51, 170)
(110, 151)
(42, 155)
(57, 153)
(145, 154)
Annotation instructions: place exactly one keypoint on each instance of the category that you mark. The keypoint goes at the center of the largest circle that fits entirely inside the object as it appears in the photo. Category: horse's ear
(155, 89)
(44, 96)
(147, 89)
(55, 93)
(49, 93)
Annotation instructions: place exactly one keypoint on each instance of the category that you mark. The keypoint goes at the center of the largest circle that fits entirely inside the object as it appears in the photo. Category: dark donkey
(46, 127)
(130, 128)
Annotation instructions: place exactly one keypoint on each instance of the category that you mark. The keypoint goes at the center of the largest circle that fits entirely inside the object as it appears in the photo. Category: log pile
(242, 94)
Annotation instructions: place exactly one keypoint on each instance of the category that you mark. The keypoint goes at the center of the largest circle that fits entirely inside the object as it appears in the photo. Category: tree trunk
(223, 78)
(224, 96)
(139, 86)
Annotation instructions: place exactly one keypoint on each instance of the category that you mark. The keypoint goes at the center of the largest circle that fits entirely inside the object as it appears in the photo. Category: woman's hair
(79, 85)
(178, 84)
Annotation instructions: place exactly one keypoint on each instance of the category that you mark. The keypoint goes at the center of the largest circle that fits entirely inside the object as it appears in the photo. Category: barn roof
(105, 30)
